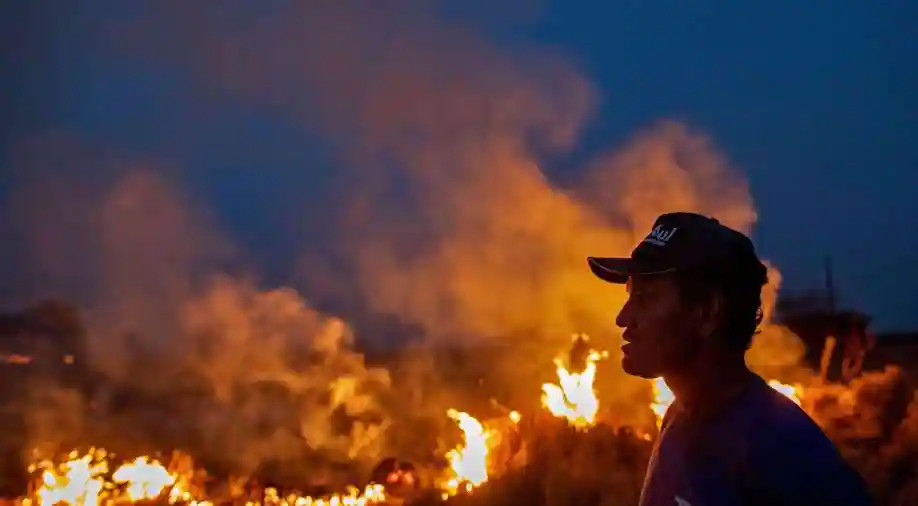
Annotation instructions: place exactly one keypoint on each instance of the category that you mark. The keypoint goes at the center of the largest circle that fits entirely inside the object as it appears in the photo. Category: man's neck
(709, 383)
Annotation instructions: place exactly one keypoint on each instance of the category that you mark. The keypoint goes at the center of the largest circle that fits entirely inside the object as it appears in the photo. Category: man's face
(658, 337)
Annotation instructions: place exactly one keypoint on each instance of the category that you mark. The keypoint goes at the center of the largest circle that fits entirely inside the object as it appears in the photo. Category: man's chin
(635, 368)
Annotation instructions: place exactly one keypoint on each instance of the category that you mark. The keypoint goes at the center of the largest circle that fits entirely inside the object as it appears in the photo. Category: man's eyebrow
(646, 286)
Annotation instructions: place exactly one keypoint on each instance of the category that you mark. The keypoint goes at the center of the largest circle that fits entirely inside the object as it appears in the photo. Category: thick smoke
(111, 233)
(285, 386)
(667, 168)
(253, 382)
(874, 422)
(776, 351)
(440, 216)
(671, 167)
(442, 213)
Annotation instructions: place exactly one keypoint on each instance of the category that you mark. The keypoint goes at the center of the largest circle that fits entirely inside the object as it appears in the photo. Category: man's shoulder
(757, 421)
(785, 418)
(789, 452)
(767, 411)
(763, 446)
(767, 428)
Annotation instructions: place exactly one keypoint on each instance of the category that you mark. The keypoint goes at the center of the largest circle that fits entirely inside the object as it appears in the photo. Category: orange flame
(792, 392)
(78, 481)
(145, 479)
(468, 461)
(85, 481)
(662, 398)
(15, 359)
(574, 397)
(372, 494)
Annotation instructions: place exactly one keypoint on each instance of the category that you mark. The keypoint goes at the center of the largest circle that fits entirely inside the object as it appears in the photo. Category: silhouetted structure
(899, 348)
(42, 345)
(837, 341)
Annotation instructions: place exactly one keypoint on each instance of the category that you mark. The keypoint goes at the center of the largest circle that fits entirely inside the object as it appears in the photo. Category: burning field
(263, 441)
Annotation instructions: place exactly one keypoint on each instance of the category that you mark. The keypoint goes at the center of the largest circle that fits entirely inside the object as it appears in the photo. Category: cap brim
(613, 270)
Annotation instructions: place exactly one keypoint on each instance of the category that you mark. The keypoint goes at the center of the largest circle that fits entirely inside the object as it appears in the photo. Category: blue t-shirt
(760, 449)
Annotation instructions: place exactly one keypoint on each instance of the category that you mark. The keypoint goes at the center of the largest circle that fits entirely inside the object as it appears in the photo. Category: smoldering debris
(874, 422)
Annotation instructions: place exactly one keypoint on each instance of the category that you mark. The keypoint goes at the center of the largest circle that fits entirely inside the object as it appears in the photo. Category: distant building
(899, 348)
(40, 347)
(840, 343)
(47, 339)
(837, 341)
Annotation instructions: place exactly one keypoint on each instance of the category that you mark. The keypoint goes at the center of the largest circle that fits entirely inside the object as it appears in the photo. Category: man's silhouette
(694, 305)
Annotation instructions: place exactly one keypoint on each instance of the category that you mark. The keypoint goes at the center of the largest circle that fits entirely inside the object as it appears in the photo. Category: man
(694, 304)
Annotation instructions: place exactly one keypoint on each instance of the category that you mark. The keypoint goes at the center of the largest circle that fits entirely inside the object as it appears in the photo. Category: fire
(468, 461)
(372, 494)
(76, 481)
(574, 397)
(792, 392)
(85, 481)
(15, 359)
(662, 398)
(144, 479)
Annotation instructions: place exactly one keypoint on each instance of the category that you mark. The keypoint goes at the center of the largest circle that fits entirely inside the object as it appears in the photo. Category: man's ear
(710, 314)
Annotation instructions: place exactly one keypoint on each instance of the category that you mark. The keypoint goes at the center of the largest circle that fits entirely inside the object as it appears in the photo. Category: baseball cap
(682, 241)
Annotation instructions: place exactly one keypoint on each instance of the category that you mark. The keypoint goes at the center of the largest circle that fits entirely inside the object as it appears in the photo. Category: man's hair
(740, 286)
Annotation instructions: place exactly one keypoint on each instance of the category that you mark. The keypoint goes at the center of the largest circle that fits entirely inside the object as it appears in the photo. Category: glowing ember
(792, 392)
(574, 397)
(15, 359)
(468, 462)
(662, 398)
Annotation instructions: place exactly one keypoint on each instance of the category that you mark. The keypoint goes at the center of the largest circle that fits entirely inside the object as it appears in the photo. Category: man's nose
(624, 315)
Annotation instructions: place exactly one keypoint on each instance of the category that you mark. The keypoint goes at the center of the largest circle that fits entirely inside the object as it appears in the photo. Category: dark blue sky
(815, 102)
